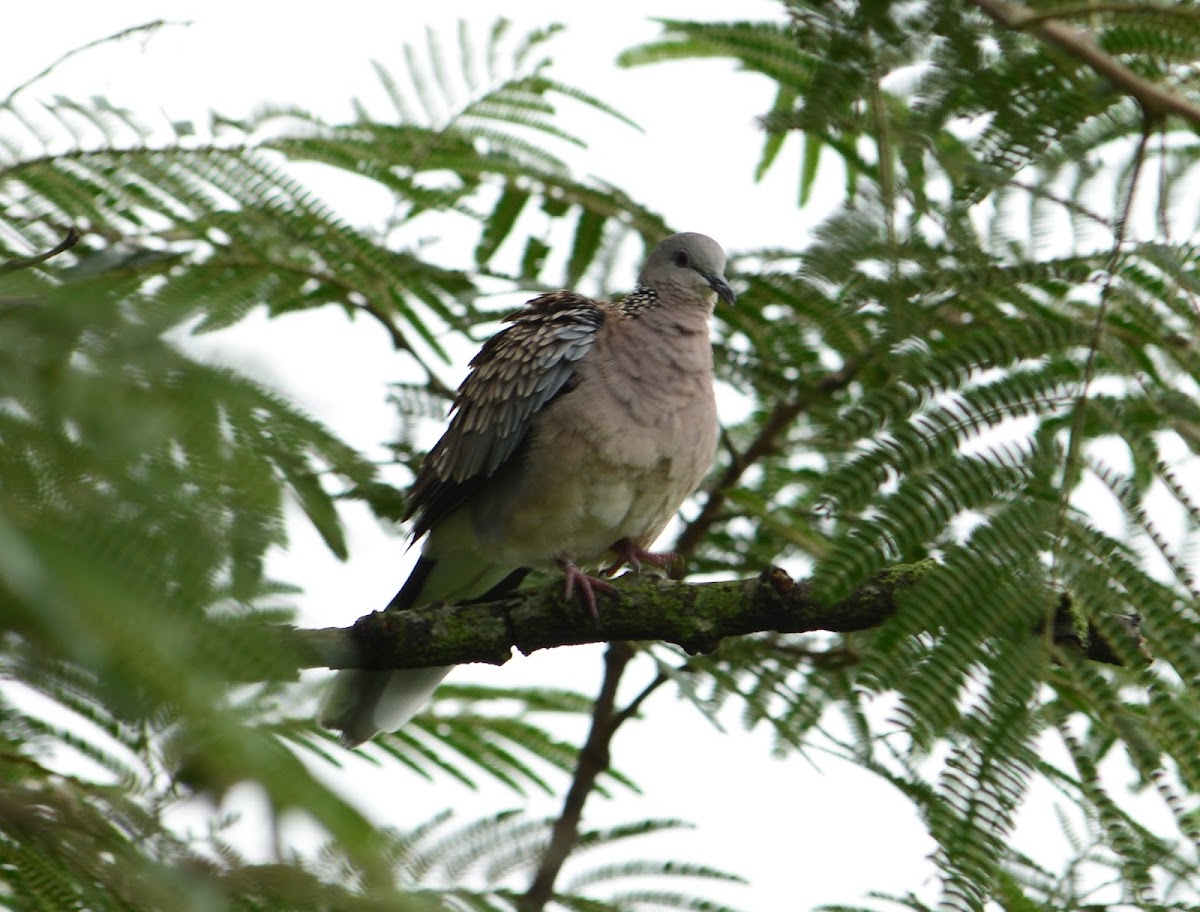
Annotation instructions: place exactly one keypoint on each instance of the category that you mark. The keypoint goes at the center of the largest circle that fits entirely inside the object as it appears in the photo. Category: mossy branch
(695, 616)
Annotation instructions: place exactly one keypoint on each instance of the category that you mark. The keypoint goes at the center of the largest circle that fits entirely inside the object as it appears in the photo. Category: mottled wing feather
(515, 375)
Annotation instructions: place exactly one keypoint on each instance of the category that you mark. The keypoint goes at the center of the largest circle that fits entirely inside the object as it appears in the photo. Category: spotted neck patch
(637, 301)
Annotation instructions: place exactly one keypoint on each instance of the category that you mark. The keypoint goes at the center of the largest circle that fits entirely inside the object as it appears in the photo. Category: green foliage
(143, 489)
(985, 356)
(499, 852)
(988, 356)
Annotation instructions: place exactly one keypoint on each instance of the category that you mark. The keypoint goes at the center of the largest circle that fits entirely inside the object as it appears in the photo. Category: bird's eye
(680, 258)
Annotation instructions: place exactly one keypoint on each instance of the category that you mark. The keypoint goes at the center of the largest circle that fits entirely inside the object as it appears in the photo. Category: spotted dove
(581, 428)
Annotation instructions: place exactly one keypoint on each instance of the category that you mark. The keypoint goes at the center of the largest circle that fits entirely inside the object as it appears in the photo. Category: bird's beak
(721, 287)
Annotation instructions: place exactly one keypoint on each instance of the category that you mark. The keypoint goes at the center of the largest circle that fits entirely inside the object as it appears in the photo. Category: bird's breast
(612, 459)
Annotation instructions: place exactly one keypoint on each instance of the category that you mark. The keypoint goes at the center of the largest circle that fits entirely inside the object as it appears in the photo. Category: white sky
(804, 833)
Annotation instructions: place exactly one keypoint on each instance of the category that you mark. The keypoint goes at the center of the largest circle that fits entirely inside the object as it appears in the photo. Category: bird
(580, 429)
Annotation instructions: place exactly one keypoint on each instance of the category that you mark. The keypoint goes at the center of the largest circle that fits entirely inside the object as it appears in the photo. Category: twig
(1075, 440)
(776, 425)
(1069, 204)
(71, 239)
(115, 36)
(636, 703)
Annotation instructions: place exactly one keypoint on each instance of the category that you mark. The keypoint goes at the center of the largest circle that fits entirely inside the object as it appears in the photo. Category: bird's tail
(363, 703)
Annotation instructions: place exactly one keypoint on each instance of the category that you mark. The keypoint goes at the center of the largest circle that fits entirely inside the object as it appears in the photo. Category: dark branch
(593, 760)
(1154, 99)
(694, 616)
(71, 239)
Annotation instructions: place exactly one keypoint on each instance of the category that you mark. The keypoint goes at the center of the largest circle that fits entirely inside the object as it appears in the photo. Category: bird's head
(691, 263)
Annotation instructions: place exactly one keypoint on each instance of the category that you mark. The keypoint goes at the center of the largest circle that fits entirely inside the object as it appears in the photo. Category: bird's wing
(516, 374)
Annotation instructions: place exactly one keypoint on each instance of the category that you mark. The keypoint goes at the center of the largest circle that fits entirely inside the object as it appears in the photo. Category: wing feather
(518, 372)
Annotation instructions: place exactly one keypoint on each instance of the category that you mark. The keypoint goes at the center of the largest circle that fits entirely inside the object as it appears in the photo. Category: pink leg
(629, 553)
(587, 584)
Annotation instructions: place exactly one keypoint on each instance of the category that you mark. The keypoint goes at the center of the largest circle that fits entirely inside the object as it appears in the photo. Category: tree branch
(1154, 99)
(593, 760)
(695, 616)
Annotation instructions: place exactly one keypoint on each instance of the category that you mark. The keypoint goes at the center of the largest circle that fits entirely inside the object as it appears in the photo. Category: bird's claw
(587, 585)
(630, 554)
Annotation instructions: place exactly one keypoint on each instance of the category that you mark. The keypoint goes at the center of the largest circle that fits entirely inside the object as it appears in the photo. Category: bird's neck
(637, 302)
(644, 304)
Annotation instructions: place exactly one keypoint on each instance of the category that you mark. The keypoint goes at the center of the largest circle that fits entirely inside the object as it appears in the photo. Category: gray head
(691, 263)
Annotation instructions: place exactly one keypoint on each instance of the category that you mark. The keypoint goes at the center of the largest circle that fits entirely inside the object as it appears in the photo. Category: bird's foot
(587, 586)
(629, 553)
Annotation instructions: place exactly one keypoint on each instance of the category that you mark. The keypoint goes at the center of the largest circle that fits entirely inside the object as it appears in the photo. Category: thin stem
(767, 440)
(1074, 443)
(1069, 204)
(71, 239)
(395, 335)
(887, 170)
(116, 36)
(635, 704)
(1164, 208)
